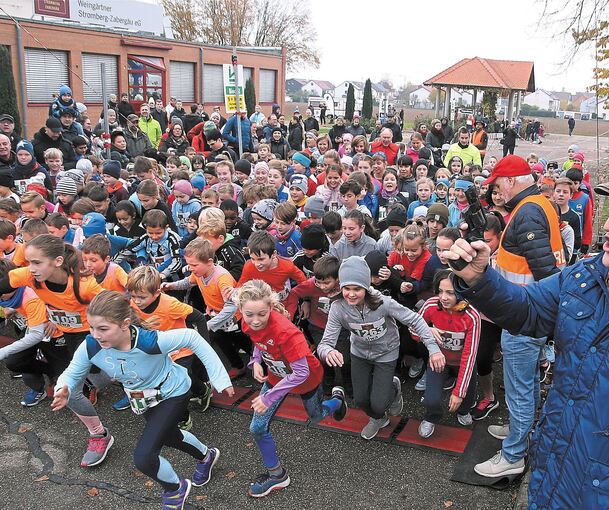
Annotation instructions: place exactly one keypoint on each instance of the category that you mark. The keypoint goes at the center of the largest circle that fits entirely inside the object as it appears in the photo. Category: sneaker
(33, 398)
(235, 373)
(426, 429)
(465, 419)
(267, 483)
(175, 500)
(122, 404)
(484, 408)
(499, 431)
(205, 398)
(416, 368)
(373, 427)
(398, 401)
(498, 466)
(97, 449)
(202, 473)
(339, 393)
(449, 383)
(544, 371)
(16, 375)
(421, 383)
(186, 425)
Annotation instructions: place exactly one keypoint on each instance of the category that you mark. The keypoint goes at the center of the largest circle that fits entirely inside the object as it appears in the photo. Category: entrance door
(146, 79)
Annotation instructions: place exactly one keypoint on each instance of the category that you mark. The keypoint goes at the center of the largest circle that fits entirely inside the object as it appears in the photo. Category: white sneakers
(497, 466)
(499, 431)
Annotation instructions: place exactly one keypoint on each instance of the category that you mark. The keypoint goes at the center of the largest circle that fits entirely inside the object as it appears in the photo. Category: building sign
(120, 14)
(230, 102)
(59, 8)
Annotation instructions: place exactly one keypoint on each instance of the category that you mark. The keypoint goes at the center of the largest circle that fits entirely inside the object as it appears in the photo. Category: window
(248, 72)
(213, 86)
(91, 72)
(268, 77)
(182, 81)
(146, 78)
(45, 72)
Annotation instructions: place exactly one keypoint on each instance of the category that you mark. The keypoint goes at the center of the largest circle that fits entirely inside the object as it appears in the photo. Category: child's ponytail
(258, 290)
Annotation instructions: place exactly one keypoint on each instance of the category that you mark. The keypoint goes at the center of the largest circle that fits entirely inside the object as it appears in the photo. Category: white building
(318, 87)
(341, 90)
(589, 106)
(420, 97)
(543, 99)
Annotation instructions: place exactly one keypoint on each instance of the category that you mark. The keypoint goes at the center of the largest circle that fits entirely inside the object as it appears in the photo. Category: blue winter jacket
(181, 213)
(570, 445)
(229, 132)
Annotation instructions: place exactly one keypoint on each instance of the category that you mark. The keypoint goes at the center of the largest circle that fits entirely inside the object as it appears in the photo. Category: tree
(250, 96)
(266, 23)
(489, 104)
(8, 94)
(367, 101)
(350, 106)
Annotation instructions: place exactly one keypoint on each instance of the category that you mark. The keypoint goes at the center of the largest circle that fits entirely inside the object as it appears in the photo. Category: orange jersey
(171, 313)
(116, 278)
(212, 287)
(32, 312)
(18, 255)
(63, 308)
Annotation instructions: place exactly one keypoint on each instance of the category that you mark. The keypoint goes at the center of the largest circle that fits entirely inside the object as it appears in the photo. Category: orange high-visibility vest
(515, 268)
(477, 140)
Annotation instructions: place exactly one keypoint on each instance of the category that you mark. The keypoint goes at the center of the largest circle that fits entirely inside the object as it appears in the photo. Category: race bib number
(142, 400)
(19, 321)
(182, 219)
(283, 294)
(452, 341)
(323, 305)
(382, 213)
(65, 319)
(21, 185)
(277, 368)
(369, 330)
(333, 206)
(405, 194)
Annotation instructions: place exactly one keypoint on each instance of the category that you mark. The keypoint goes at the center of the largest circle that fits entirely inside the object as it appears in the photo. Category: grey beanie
(314, 206)
(265, 208)
(354, 271)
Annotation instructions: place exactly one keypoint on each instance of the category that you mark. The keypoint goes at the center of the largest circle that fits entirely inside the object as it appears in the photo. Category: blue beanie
(64, 89)
(112, 168)
(198, 181)
(302, 159)
(25, 145)
(93, 223)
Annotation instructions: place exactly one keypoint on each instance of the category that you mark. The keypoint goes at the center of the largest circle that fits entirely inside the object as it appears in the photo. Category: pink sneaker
(97, 449)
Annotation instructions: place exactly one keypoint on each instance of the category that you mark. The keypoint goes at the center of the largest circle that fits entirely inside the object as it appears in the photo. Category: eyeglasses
(414, 222)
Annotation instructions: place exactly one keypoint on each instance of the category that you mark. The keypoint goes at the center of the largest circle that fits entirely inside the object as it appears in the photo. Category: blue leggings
(316, 407)
(161, 429)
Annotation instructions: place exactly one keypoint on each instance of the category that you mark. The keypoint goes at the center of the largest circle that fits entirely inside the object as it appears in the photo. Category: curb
(521, 502)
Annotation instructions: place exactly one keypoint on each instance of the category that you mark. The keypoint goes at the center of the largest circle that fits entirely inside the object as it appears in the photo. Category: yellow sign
(231, 104)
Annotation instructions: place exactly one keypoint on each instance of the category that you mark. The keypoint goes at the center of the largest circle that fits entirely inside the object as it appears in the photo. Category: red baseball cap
(510, 166)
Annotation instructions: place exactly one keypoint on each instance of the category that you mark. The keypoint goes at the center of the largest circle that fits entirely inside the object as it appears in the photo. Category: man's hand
(476, 255)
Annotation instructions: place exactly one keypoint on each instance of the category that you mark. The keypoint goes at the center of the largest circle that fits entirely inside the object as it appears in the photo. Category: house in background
(293, 85)
(543, 99)
(340, 91)
(420, 97)
(589, 106)
(318, 87)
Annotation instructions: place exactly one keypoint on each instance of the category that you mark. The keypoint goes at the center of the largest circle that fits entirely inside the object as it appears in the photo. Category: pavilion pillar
(475, 100)
(518, 102)
(437, 105)
(447, 103)
(510, 108)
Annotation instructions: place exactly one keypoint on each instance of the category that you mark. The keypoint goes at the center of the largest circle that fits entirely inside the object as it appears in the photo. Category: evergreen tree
(250, 97)
(350, 106)
(367, 101)
(8, 94)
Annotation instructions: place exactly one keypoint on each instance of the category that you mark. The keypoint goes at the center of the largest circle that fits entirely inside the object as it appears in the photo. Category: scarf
(15, 301)
(284, 237)
(115, 187)
(26, 171)
(389, 195)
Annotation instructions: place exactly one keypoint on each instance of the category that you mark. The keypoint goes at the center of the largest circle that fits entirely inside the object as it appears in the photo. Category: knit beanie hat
(299, 181)
(208, 127)
(64, 89)
(314, 207)
(112, 168)
(185, 161)
(183, 186)
(425, 153)
(265, 208)
(302, 159)
(480, 178)
(396, 218)
(354, 271)
(313, 237)
(93, 223)
(578, 155)
(375, 260)
(66, 187)
(262, 165)
(25, 145)
(198, 181)
(84, 165)
(574, 147)
(420, 211)
(443, 182)
(243, 166)
(438, 212)
(76, 175)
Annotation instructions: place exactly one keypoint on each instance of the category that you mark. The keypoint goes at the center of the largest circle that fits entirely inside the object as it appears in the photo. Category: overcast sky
(412, 41)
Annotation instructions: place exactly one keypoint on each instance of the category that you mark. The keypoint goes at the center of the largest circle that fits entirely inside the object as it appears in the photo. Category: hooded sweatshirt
(181, 213)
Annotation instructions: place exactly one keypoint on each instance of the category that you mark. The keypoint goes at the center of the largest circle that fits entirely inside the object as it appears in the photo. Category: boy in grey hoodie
(375, 342)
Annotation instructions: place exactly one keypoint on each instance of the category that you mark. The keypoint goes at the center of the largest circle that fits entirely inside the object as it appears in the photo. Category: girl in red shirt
(456, 329)
(291, 368)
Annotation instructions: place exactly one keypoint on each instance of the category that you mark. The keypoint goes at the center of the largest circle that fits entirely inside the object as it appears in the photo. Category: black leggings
(508, 148)
(161, 429)
(490, 336)
(230, 343)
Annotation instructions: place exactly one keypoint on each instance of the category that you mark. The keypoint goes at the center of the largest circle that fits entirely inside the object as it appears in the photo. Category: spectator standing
(124, 109)
(571, 124)
(7, 127)
(149, 126)
(137, 141)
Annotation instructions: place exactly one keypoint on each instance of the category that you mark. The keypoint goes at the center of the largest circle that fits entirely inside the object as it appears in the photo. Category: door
(146, 79)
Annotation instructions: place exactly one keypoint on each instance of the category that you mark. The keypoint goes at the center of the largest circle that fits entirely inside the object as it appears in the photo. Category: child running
(157, 387)
(375, 343)
(291, 368)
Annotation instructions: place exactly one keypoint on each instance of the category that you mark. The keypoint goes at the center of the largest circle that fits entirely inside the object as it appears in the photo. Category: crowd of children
(322, 273)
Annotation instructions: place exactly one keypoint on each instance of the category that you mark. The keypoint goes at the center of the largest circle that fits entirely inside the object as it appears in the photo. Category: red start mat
(448, 439)
(6, 340)
(226, 402)
(355, 421)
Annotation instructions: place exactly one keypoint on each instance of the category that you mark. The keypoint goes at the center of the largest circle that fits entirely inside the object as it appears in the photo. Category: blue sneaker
(33, 397)
(122, 404)
(175, 500)
(267, 483)
(202, 473)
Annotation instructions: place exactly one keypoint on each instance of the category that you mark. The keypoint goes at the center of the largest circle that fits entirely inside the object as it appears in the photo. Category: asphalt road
(40, 453)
